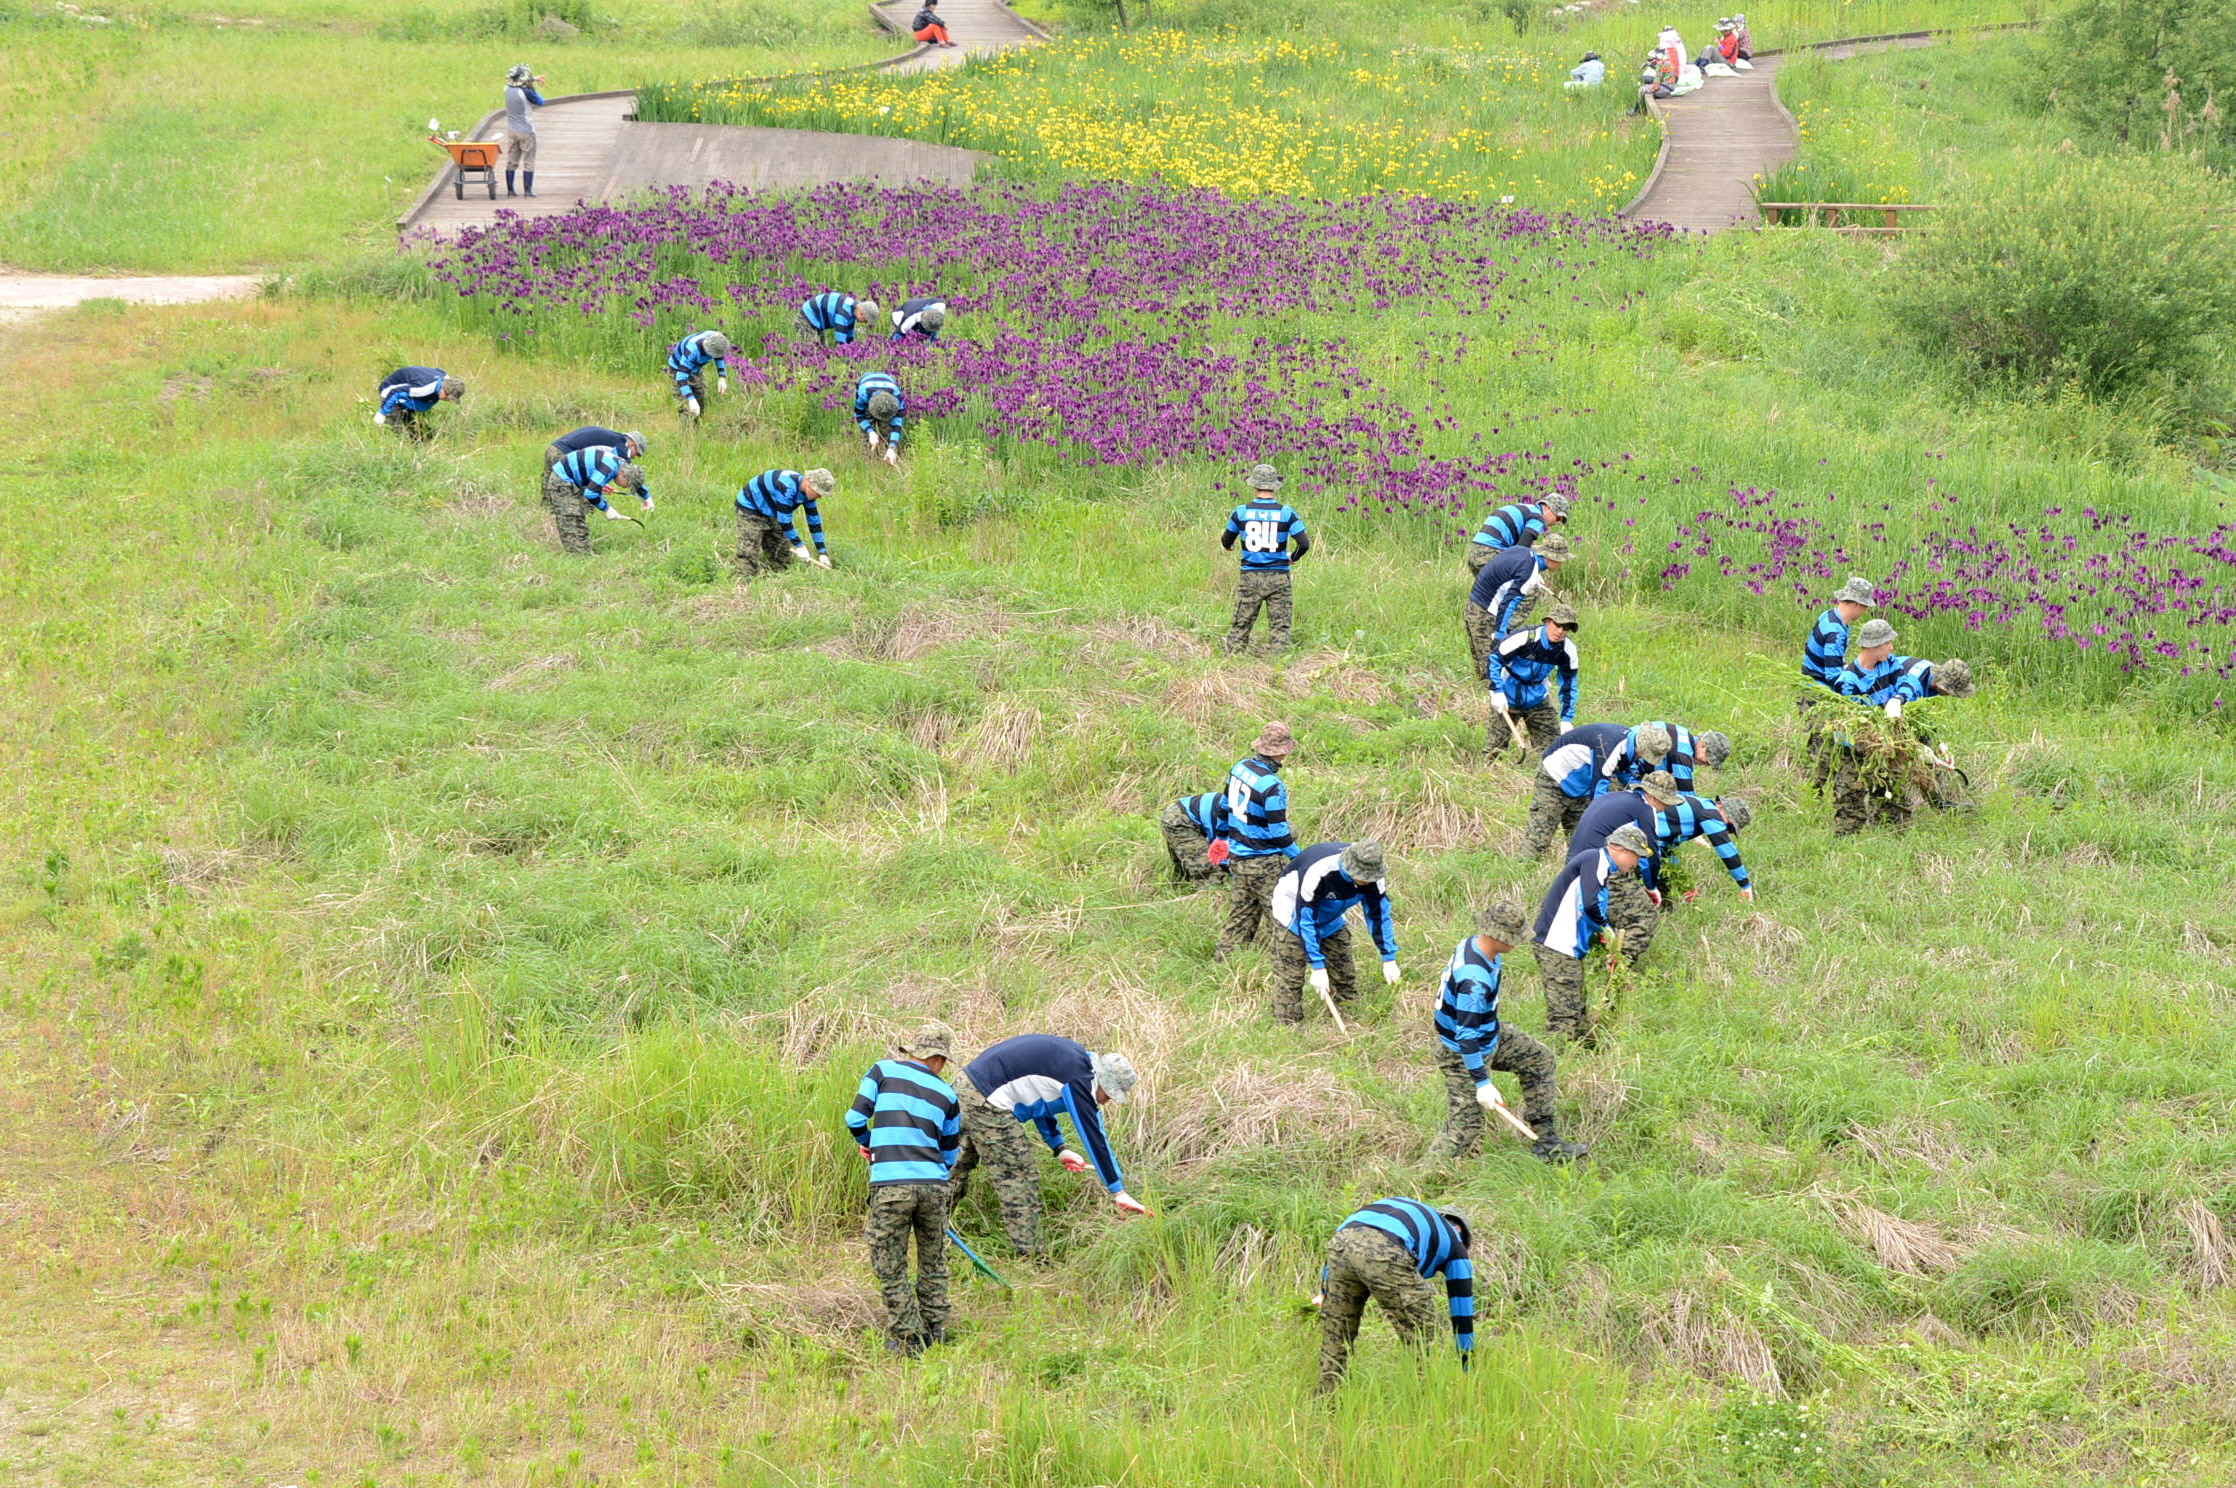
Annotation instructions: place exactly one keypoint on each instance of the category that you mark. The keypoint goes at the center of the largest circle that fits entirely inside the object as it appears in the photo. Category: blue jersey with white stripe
(869, 387)
(1037, 1077)
(1512, 575)
(1592, 759)
(1618, 809)
(411, 389)
(687, 356)
(1825, 651)
(590, 470)
(831, 311)
(1203, 810)
(1254, 816)
(1467, 1007)
(589, 436)
(776, 494)
(1266, 528)
(1314, 895)
(909, 319)
(1871, 684)
(1520, 666)
(1517, 524)
(907, 1119)
(1574, 913)
(1436, 1249)
(1694, 816)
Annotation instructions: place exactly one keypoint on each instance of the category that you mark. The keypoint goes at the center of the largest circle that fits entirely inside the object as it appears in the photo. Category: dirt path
(25, 295)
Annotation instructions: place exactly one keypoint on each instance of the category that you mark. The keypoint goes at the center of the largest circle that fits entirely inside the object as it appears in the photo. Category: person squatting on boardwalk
(687, 364)
(408, 392)
(768, 539)
(927, 27)
(879, 412)
(1634, 900)
(1311, 942)
(520, 127)
(1571, 920)
(1037, 1077)
(1500, 597)
(1268, 528)
(1582, 765)
(908, 1123)
(1516, 524)
(1517, 675)
(1388, 1251)
(584, 478)
(1250, 836)
(1471, 1042)
(837, 316)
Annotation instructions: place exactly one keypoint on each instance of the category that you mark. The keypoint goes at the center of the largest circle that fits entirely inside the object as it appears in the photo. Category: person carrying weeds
(879, 412)
(1581, 766)
(1572, 919)
(687, 364)
(836, 315)
(1517, 524)
(409, 392)
(1517, 674)
(1268, 528)
(1250, 835)
(1311, 942)
(1500, 598)
(1388, 1251)
(584, 479)
(1471, 1043)
(908, 1123)
(1633, 900)
(1036, 1077)
(768, 539)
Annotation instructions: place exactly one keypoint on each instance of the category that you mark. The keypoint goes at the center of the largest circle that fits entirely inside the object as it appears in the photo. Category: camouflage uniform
(1551, 810)
(1856, 805)
(569, 512)
(1250, 884)
(1253, 589)
(1630, 911)
(1479, 554)
(696, 387)
(1185, 841)
(1563, 977)
(1364, 1262)
(1012, 1164)
(1543, 722)
(1291, 968)
(1517, 1054)
(1815, 707)
(761, 545)
(897, 1211)
(410, 427)
(1482, 634)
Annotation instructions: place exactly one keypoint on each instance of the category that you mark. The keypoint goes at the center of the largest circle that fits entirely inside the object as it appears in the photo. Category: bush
(2101, 272)
(2149, 73)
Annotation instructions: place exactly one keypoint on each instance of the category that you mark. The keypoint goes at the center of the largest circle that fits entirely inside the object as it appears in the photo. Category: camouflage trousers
(1816, 733)
(761, 545)
(1856, 805)
(1633, 914)
(1481, 636)
(1254, 591)
(1543, 721)
(1250, 884)
(1012, 1159)
(1563, 976)
(1479, 554)
(1518, 1054)
(1362, 1263)
(569, 512)
(1553, 815)
(897, 1212)
(1291, 969)
(694, 386)
(411, 427)
(1187, 844)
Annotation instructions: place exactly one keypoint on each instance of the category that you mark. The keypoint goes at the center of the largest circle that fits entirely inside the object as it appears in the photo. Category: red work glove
(1072, 1161)
(865, 1154)
(1217, 852)
(1655, 895)
(1691, 895)
(1128, 1203)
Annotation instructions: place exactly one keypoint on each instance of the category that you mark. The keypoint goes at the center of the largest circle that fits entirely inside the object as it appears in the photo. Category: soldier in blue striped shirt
(1388, 1251)
(1516, 674)
(1268, 528)
(1720, 821)
(583, 479)
(1571, 921)
(1825, 650)
(907, 1122)
(879, 412)
(1311, 943)
(767, 536)
(687, 363)
(837, 315)
(1517, 523)
(1188, 825)
(1471, 1042)
(590, 436)
(924, 317)
(1250, 835)
(1688, 751)
(1503, 593)
(408, 392)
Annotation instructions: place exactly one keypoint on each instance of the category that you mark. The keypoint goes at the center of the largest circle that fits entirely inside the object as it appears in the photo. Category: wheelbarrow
(475, 159)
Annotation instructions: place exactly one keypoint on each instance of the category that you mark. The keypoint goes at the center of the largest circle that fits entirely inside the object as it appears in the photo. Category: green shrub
(2100, 272)
(2154, 75)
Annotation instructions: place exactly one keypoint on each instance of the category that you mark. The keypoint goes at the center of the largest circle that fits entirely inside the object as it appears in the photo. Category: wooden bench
(1828, 214)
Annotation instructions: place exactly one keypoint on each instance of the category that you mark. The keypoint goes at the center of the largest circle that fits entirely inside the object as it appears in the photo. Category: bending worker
(908, 1123)
(408, 392)
(879, 412)
(767, 536)
(593, 436)
(1516, 674)
(837, 315)
(1516, 524)
(1311, 942)
(1188, 825)
(1581, 766)
(1499, 599)
(922, 317)
(1388, 1251)
(1268, 528)
(1633, 900)
(1688, 751)
(1250, 835)
(1572, 919)
(585, 478)
(687, 364)
(1037, 1077)
(1720, 820)
(1471, 1042)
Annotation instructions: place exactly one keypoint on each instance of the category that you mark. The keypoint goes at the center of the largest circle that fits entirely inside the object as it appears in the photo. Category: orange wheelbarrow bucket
(476, 160)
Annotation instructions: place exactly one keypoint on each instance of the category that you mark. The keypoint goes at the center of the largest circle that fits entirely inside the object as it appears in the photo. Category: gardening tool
(1327, 998)
(977, 1260)
(1514, 726)
(1499, 1109)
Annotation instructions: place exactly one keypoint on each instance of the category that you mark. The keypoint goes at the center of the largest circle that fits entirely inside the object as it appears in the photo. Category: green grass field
(434, 968)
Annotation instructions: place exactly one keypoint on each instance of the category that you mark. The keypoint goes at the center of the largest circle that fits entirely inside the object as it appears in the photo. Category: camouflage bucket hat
(1875, 633)
(1628, 835)
(1264, 477)
(1115, 1074)
(935, 316)
(1654, 743)
(1559, 503)
(1275, 741)
(1563, 615)
(1736, 812)
(883, 405)
(1556, 546)
(1362, 862)
(930, 1039)
(1857, 590)
(1712, 748)
(1953, 678)
(454, 388)
(637, 440)
(820, 481)
(1502, 922)
(717, 343)
(1660, 787)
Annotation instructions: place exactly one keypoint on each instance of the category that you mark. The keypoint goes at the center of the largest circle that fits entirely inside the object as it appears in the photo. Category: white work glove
(893, 455)
(1894, 709)
(1319, 980)
(1390, 972)
(800, 552)
(648, 503)
(691, 406)
(614, 516)
(380, 418)
(1072, 1161)
(1128, 1204)
(823, 560)
(1748, 894)
(871, 436)
(722, 384)
(1487, 1096)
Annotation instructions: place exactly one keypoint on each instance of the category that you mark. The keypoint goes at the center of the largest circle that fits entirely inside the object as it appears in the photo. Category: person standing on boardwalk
(1037, 1077)
(925, 317)
(1471, 1042)
(1500, 598)
(908, 1123)
(879, 412)
(583, 479)
(1582, 765)
(1634, 900)
(927, 27)
(838, 316)
(1517, 674)
(1517, 524)
(767, 536)
(1251, 837)
(1571, 921)
(1311, 943)
(520, 127)
(409, 392)
(687, 364)
(1268, 528)
(1388, 1251)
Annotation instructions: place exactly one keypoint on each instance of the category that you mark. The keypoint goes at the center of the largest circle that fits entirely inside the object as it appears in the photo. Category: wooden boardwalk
(976, 26)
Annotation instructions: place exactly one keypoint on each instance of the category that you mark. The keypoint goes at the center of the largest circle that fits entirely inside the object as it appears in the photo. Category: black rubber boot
(528, 183)
(508, 183)
(1551, 1148)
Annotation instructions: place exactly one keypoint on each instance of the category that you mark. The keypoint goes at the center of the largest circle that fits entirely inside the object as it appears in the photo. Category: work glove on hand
(871, 436)
(799, 551)
(892, 454)
(1072, 1161)
(1691, 894)
(823, 560)
(1319, 980)
(722, 384)
(1390, 972)
(380, 418)
(1894, 710)
(1128, 1203)
(614, 516)
(1218, 852)
(865, 1154)
(648, 503)
(1487, 1096)
(691, 406)
(1748, 894)
(1655, 895)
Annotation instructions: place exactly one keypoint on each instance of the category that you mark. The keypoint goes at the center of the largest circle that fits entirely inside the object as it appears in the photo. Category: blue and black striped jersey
(1266, 527)
(687, 356)
(1872, 684)
(1825, 651)
(590, 470)
(1467, 1007)
(1436, 1249)
(870, 386)
(1694, 816)
(908, 1121)
(1517, 524)
(831, 311)
(1256, 819)
(776, 494)
(1203, 810)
